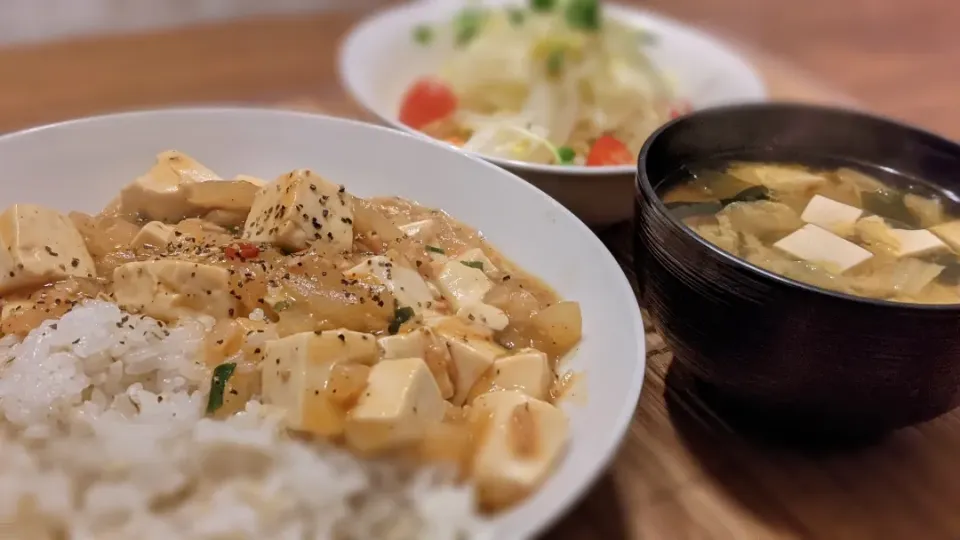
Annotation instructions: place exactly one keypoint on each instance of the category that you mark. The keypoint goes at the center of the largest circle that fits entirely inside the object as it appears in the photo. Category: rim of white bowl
(618, 10)
(564, 502)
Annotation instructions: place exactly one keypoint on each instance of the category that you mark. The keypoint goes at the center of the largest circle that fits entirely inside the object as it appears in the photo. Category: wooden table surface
(682, 473)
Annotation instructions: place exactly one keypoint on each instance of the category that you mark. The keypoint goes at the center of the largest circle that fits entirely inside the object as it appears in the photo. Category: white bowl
(81, 165)
(379, 60)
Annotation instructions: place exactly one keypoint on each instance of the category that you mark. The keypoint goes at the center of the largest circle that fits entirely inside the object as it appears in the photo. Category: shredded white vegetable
(529, 83)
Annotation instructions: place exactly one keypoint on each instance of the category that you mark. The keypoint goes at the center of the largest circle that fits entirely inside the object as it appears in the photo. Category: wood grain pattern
(682, 473)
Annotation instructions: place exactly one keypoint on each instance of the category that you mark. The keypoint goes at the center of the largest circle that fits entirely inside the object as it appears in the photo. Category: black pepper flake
(256, 351)
(75, 262)
(49, 250)
(342, 337)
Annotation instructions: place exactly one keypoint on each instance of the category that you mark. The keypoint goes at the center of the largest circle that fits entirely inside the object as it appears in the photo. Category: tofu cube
(38, 246)
(485, 314)
(296, 369)
(918, 242)
(170, 289)
(409, 345)
(527, 371)
(407, 286)
(477, 256)
(300, 209)
(822, 247)
(472, 358)
(830, 214)
(155, 233)
(424, 230)
(160, 194)
(401, 401)
(463, 285)
(521, 441)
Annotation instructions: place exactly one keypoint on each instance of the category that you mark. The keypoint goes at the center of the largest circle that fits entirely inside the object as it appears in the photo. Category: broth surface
(860, 231)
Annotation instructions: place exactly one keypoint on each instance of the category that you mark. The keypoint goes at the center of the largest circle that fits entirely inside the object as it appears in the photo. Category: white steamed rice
(103, 436)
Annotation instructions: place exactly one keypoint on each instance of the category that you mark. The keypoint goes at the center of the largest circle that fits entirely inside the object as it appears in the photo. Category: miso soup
(837, 228)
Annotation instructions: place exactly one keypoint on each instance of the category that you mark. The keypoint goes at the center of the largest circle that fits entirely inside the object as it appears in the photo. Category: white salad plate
(379, 60)
(82, 164)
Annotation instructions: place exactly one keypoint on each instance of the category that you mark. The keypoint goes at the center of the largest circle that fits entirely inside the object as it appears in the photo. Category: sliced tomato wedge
(608, 151)
(427, 101)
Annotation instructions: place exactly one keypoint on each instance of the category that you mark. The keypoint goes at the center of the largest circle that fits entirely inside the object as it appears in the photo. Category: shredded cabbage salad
(551, 82)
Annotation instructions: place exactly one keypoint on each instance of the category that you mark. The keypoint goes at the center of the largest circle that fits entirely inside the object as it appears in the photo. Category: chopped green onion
(218, 384)
(423, 34)
(517, 16)
(467, 25)
(435, 249)
(400, 316)
(555, 62)
(584, 15)
(280, 306)
(473, 264)
(566, 155)
(543, 6)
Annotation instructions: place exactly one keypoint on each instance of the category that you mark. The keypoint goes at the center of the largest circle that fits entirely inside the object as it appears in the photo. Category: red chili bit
(248, 251)
(231, 252)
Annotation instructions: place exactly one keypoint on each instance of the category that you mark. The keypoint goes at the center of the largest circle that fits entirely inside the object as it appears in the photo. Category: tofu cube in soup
(423, 230)
(830, 214)
(409, 345)
(155, 233)
(234, 195)
(406, 284)
(485, 314)
(478, 259)
(471, 357)
(297, 376)
(463, 285)
(912, 243)
(161, 193)
(823, 248)
(300, 209)
(170, 289)
(38, 246)
(422, 343)
(520, 441)
(527, 371)
(401, 401)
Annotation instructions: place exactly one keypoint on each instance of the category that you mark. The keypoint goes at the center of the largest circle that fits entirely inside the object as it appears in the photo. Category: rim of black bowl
(643, 183)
